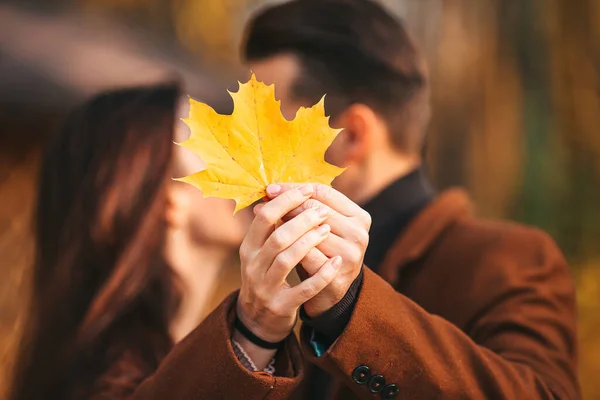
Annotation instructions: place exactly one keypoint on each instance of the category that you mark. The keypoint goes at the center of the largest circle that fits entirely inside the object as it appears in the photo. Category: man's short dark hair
(353, 51)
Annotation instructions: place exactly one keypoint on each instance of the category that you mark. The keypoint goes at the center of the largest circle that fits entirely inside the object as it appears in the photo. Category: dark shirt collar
(392, 209)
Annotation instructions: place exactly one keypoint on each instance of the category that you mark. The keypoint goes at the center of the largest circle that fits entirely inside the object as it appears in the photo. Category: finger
(331, 247)
(291, 231)
(257, 207)
(312, 286)
(310, 203)
(325, 194)
(344, 227)
(265, 220)
(334, 245)
(311, 263)
(286, 260)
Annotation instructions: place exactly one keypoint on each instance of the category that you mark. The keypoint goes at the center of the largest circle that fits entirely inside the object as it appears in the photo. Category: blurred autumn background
(516, 94)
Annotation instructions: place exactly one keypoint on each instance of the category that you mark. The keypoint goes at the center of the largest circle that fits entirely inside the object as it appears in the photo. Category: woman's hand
(267, 304)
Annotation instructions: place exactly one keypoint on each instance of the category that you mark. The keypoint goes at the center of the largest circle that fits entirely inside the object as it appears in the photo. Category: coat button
(389, 392)
(361, 374)
(376, 383)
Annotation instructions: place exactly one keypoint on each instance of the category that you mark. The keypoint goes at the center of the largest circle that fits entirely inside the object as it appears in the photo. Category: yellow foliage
(588, 299)
(255, 146)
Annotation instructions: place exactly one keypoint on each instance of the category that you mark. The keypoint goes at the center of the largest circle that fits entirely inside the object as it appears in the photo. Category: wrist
(328, 298)
(252, 337)
(261, 358)
(333, 322)
(259, 326)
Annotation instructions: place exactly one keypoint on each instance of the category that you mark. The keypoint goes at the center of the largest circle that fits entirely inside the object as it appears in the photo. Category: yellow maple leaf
(255, 146)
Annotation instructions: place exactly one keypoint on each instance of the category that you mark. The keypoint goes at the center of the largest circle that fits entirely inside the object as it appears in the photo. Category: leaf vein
(230, 156)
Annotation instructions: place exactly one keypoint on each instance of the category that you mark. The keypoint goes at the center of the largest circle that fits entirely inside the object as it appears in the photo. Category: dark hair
(355, 52)
(102, 293)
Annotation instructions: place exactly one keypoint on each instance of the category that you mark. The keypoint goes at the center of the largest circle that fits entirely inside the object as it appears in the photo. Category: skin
(202, 237)
(372, 162)
(267, 304)
(364, 146)
(284, 231)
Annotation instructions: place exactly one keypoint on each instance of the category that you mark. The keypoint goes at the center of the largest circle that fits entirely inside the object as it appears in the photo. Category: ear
(360, 124)
(177, 207)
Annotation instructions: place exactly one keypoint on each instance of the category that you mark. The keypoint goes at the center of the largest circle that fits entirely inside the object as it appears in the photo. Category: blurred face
(206, 220)
(364, 146)
(282, 70)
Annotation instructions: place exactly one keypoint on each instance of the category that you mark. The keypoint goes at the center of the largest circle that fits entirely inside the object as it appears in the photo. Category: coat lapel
(425, 228)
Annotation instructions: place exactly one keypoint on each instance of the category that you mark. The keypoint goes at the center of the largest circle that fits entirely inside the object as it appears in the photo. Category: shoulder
(490, 259)
(482, 258)
(500, 241)
(477, 264)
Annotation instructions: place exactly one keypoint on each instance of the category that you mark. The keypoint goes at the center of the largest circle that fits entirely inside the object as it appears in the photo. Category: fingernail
(336, 262)
(273, 190)
(323, 212)
(306, 190)
(257, 208)
(324, 229)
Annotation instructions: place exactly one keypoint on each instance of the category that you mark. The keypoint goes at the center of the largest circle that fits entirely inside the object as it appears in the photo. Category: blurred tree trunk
(575, 65)
(516, 109)
(543, 178)
(574, 29)
(475, 135)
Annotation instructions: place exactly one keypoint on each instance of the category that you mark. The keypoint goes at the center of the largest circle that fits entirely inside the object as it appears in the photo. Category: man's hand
(349, 239)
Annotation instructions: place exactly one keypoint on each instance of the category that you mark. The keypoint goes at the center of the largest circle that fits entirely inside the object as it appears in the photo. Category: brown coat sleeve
(520, 345)
(203, 366)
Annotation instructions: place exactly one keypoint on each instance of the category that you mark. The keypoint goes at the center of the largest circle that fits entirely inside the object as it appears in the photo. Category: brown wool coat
(204, 367)
(476, 310)
(473, 310)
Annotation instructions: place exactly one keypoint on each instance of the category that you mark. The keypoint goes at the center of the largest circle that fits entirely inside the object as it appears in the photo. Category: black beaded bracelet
(248, 334)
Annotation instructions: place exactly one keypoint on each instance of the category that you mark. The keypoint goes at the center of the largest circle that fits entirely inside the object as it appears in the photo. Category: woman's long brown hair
(102, 291)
